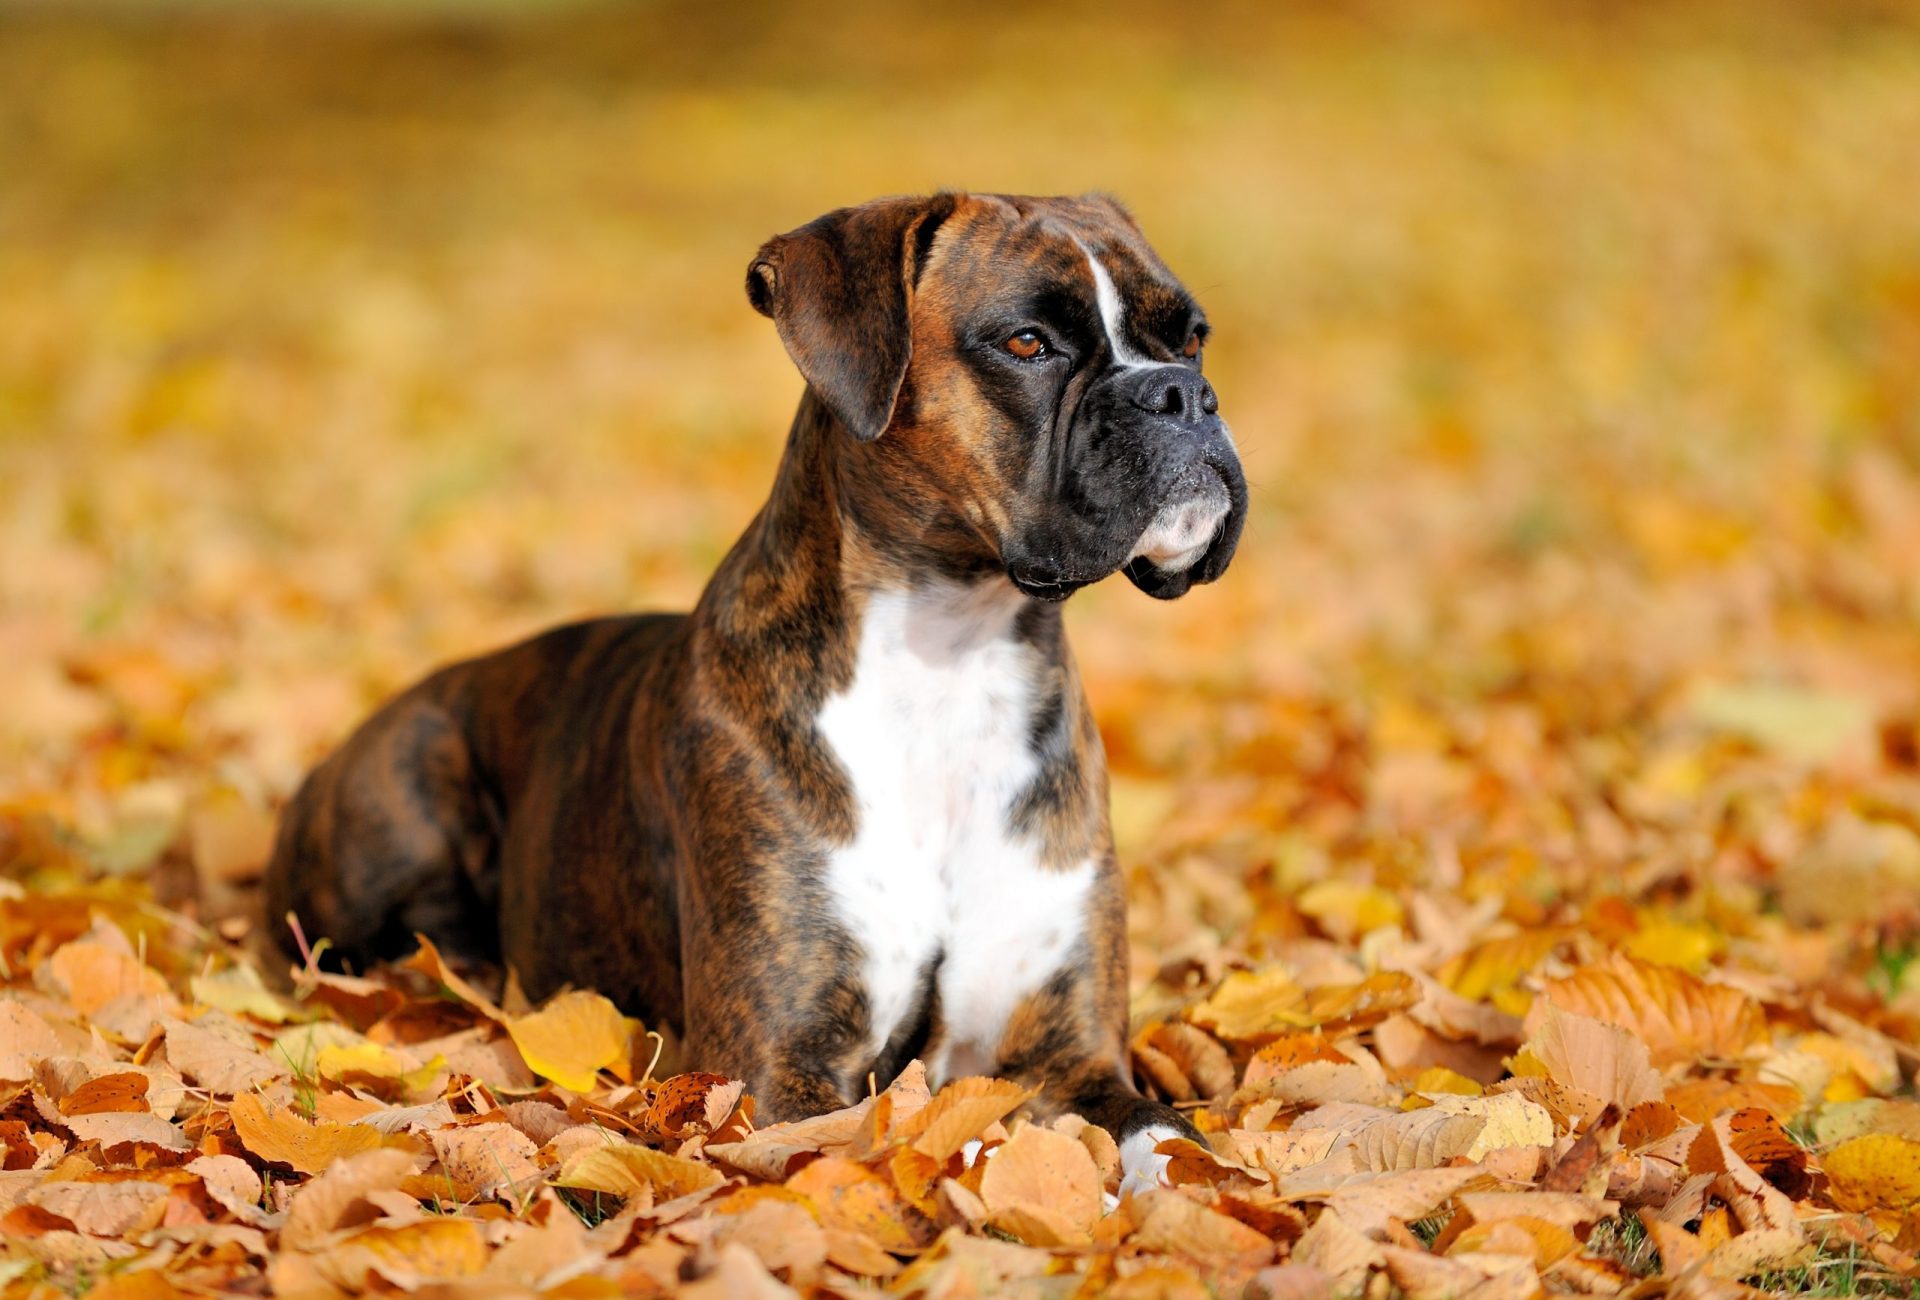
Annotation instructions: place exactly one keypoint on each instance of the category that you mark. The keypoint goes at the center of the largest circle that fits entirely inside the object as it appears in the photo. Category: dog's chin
(1166, 560)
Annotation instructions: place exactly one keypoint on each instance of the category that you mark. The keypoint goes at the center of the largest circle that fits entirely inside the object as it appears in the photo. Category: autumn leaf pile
(1523, 840)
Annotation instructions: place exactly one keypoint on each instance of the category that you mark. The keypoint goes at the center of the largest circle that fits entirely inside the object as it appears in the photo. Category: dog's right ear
(838, 290)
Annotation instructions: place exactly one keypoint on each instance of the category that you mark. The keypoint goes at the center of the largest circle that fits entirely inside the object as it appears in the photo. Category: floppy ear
(838, 289)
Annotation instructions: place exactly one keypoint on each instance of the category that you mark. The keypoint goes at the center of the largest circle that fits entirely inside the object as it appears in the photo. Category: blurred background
(1574, 351)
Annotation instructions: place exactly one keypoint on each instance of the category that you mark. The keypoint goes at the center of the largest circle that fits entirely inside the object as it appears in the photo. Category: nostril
(1172, 400)
(1209, 400)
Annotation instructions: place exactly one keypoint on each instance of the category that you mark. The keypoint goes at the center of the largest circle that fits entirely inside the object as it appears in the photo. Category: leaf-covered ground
(1524, 837)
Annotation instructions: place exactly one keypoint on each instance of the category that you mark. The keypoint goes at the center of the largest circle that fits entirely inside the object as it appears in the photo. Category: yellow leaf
(622, 1169)
(1794, 721)
(238, 990)
(278, 1135)
(1674, 943)
(1252, 1004)
(571, 1039)
(1347, 909)
(371, 1059)
(1876, 1172)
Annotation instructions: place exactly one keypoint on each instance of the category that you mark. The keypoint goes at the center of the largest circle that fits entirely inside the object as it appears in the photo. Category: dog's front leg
(1066, 1040)
(767, 1003)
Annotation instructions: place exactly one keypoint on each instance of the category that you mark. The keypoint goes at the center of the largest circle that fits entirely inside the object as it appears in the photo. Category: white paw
(1141, 1167)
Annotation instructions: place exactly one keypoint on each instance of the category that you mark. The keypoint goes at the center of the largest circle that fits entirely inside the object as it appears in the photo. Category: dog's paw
(1141, 1167)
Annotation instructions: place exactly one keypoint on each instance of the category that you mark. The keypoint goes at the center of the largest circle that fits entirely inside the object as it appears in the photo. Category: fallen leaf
(276, 1134)
(571, 1039)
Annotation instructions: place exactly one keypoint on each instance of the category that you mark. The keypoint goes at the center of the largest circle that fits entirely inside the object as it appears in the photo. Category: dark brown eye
(1026, 345)
(1192, 349)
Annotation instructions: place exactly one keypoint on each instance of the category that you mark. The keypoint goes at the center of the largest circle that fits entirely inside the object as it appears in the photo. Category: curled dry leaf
(1184, 1062)
(231, 1183)
(1601, 1060)
(959, 1113)
(338, 1197)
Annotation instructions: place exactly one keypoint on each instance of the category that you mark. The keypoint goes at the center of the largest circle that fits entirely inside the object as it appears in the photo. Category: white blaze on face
(1113, 314)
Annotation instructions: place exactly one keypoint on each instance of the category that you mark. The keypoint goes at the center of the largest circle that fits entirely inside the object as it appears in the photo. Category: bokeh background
(1574, 351)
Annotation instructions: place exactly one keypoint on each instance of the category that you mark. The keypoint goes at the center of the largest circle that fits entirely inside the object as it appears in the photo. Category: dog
(852, 810)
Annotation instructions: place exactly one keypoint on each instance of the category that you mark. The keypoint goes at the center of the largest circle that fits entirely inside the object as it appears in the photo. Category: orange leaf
(278, 1135)
(1680, 1017)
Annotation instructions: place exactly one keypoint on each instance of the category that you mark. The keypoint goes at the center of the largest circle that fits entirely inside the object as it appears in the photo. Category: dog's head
(1021, 380)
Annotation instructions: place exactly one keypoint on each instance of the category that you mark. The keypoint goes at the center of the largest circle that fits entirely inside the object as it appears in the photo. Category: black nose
(1175, 390)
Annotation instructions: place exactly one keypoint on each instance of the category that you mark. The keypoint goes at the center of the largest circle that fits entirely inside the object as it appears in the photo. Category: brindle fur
(642, 806)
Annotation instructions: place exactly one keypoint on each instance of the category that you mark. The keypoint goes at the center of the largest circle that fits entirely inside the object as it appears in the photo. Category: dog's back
(400, 831)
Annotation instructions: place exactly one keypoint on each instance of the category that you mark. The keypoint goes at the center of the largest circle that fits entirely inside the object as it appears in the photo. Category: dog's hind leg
(395, 834)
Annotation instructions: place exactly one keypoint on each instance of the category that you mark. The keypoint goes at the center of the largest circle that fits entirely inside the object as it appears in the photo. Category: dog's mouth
(1043, 584)
(1189, 520)
(1186, 523)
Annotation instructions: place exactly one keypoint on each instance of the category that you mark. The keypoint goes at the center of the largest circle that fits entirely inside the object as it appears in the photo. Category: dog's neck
(834, 533)
(778, 631)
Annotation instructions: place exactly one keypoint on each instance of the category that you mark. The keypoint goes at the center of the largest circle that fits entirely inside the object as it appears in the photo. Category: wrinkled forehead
(995, 247)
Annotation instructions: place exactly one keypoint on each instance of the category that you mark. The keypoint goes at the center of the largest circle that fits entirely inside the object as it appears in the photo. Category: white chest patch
(933, 734)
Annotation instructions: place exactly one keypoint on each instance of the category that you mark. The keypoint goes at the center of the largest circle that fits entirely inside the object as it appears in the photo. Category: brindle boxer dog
(853, 808)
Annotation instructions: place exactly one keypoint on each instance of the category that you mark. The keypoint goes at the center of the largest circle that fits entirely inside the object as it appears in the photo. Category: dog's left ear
(838, 290)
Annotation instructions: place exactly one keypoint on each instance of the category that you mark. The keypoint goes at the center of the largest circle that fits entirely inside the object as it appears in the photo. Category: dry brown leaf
(693, 1103)
(219, 1062)
(25, 1041)
(1368, 1202)
(338, 1197)
(1186, 1063)
(102, 1207)
(409, 1255)
(102, 968)
(772, 1152)
(1168, 1221)
(1603, 1060)
(1350, 1008)
(959, 1113)
(1252, 1005)
(1680, 1018)
(231, 1183)
(430, 963)
(854, 1199)
(115, 1129)
(1043, 1171)
(487, 1160)
(782, 1235)
(1334, 1247)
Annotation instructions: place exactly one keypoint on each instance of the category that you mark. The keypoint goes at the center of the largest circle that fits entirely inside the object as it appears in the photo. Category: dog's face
(1022, 381)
